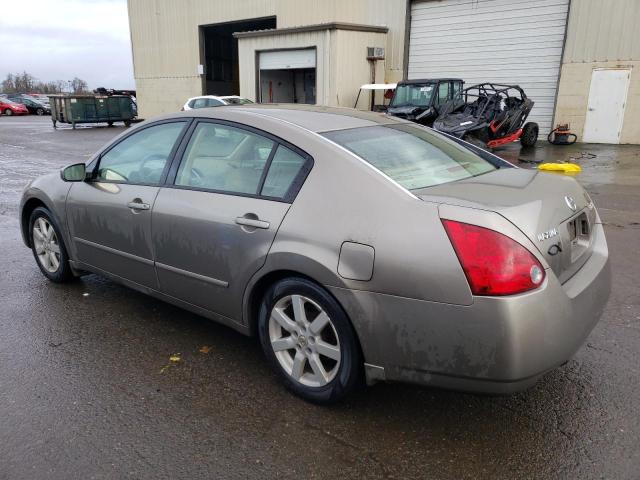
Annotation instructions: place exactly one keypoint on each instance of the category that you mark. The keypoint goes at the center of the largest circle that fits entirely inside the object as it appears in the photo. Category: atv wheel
(529, 135)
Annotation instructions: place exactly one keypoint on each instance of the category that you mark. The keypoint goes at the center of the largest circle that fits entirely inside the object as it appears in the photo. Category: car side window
(284, 169)
(141, 157)
(212, 102)
(225, 159)
(200, 103)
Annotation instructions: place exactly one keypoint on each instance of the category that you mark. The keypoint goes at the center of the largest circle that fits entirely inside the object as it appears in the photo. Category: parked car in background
(214, 101)
(32, 105)
(439, 267)
(40, 97)
(9, 107)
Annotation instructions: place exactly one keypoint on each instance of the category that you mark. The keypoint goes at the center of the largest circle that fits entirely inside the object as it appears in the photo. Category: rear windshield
(411, 155)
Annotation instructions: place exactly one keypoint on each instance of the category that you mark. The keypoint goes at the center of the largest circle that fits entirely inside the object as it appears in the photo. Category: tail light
(494, 264)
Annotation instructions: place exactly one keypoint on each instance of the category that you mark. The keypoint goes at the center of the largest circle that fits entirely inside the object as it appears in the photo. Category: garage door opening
(219, 53)
(287, 76)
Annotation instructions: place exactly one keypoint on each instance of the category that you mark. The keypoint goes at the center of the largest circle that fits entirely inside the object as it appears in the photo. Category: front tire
(40, 112)
(48, 246)
(309, 341)
(529, 135)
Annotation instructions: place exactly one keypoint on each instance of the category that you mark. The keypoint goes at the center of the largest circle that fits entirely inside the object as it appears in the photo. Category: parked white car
(214, 101)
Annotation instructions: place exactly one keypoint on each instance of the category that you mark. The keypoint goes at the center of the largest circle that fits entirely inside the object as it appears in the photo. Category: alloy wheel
(304, 340)
(47, 247)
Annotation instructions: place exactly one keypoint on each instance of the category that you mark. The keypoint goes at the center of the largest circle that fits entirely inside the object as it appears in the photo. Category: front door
(110, 216)
(605, 110)
(213, 228)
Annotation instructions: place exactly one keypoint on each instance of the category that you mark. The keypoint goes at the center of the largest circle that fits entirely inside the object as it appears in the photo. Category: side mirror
(74, 173)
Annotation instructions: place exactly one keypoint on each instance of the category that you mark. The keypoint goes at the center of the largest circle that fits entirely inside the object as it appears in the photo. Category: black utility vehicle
(490, 115)
(421, 100)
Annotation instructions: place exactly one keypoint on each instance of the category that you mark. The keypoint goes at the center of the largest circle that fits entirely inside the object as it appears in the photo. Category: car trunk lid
(552, 210)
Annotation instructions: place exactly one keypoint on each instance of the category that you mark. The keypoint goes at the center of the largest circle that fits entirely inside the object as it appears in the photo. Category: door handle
(138, 206)
(252, 222)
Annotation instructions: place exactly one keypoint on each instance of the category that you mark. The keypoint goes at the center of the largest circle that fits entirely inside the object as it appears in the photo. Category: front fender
(50, 191)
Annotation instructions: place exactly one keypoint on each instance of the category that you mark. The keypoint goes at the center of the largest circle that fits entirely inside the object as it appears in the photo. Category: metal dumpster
(75, 109)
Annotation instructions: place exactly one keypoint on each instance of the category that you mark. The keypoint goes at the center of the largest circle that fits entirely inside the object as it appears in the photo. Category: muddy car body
(349, 242)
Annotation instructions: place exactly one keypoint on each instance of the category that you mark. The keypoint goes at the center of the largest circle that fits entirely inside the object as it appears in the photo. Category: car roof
(314, 118)
(216, 97)
(428, 80)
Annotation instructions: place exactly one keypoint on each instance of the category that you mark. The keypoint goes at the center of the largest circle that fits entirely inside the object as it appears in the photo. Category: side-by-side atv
(489, 115)
(421, 100)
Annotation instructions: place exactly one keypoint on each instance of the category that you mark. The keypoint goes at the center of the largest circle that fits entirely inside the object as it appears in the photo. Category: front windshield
(412, 156)
(413, 95)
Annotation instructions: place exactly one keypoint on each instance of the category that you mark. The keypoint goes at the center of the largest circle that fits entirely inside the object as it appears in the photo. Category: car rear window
(411, 155)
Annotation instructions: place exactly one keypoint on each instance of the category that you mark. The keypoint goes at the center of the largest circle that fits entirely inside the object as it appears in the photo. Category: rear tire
(529, 135)
(48, 246)
(8, 112)
(316, 354)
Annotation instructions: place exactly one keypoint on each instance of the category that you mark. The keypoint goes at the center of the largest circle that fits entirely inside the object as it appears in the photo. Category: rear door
(110, 215)
(214, 222)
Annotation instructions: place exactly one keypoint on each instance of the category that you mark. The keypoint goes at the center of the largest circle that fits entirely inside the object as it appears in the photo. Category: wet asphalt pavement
(87, 389)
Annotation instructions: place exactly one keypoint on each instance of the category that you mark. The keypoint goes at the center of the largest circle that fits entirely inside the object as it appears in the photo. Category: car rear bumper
(496, 345)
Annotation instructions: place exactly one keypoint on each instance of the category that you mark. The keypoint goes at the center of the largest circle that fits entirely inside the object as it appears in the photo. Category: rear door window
(285, 168)
(223, 158)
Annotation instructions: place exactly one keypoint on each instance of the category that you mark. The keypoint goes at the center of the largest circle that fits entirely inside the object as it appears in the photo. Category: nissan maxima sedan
(354, 245)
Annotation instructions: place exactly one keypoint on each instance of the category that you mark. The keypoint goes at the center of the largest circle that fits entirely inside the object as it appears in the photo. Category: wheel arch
(258, 287)
(256, 290)
(27, 209)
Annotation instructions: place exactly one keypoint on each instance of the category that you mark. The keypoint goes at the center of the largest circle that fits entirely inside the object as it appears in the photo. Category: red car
(8, 107)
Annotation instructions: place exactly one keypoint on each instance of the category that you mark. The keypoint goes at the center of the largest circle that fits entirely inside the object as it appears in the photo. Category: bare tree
(79, 86)
(25, 83)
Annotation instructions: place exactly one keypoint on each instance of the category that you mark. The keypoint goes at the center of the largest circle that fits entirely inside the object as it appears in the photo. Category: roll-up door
(288, 59)
(503, 41)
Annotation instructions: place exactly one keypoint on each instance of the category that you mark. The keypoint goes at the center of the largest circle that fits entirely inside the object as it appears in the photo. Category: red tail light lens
(493, 263)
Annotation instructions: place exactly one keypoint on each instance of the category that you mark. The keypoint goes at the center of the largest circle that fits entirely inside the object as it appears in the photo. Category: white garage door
(288, 59)
(504, 41)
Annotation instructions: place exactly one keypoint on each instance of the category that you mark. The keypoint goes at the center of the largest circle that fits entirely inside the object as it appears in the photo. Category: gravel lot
(87, 389)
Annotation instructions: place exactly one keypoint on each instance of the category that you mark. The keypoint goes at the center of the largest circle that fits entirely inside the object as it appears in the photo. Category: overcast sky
(62, 39)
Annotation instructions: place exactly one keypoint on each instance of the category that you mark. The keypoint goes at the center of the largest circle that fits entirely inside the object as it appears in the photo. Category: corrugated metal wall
(603, 31)
(166, 43)
(503, 41)
(600, 34)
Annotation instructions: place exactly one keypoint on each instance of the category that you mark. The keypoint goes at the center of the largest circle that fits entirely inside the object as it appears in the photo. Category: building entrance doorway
(219, 54)
(287, 76)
